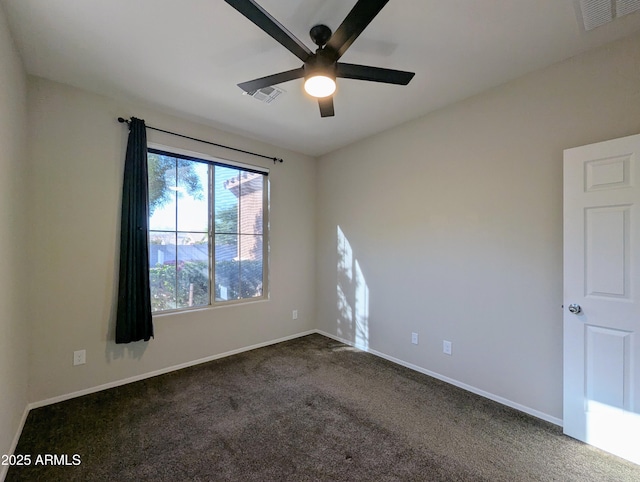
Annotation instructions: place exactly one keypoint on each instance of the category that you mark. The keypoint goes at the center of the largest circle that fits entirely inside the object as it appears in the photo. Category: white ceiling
(187, 56)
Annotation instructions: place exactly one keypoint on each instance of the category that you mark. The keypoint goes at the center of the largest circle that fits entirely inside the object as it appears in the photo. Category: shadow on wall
(112, 350)
(352, 295)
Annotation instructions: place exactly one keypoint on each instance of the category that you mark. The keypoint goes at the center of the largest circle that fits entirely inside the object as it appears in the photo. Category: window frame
(212, 162)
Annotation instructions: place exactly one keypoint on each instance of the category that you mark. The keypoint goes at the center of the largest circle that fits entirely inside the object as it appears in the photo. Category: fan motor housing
(320, 34)
(323, 62)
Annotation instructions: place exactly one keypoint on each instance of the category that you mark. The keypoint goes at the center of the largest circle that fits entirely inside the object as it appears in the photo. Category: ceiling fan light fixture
(319, 85)
(320, 69)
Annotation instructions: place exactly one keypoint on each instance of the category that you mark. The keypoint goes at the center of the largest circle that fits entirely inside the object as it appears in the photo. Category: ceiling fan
(321, 68)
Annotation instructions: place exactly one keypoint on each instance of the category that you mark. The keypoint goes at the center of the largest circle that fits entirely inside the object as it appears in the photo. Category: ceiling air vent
(599, 12)
(624, 7)
(266, 94)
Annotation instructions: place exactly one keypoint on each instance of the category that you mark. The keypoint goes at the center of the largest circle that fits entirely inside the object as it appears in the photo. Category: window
(207, 237)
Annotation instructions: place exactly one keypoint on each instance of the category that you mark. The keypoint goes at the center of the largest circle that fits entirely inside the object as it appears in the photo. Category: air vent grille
(266, 94)
(624, 7)
(598, 12)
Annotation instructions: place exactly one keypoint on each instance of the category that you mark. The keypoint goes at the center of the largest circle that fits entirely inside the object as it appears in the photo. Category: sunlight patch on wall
(352, 295)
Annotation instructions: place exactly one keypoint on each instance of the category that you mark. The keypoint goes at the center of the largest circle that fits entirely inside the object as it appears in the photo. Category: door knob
(575, 309)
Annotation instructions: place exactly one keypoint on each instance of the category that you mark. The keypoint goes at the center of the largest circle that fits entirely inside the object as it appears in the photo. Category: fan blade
(259, 16)
(326, 106)
(373, 74)
(359, 17)
(274, 79)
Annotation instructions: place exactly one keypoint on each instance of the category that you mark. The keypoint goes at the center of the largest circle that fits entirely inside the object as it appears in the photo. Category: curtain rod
(274, 159)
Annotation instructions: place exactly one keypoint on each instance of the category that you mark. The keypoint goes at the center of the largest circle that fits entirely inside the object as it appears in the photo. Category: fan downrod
(320, 34)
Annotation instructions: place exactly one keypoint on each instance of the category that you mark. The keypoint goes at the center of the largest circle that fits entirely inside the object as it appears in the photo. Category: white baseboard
(451, 381)
(125, 381)
(14, 443)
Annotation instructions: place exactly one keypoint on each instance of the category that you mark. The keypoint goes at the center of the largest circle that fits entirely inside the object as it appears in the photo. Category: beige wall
(77, 152)
(451, 226)
(14, 344)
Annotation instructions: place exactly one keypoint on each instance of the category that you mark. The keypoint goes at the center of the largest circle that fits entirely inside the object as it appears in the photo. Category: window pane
(250, 247)
(251, 269)
(162, 270)
(226, 200)
(227, 268)
(192, 270)
(183, 208)
(162, 192)
(251, 185)
(162, 248)
(193, 196)
(239, 226)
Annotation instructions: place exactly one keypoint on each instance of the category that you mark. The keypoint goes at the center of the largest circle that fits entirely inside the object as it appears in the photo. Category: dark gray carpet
(307, 409)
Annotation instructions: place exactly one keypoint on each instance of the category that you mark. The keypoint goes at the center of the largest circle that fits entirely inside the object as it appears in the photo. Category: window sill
(227, 304)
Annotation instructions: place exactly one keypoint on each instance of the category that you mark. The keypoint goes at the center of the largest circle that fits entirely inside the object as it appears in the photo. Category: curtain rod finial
(122, 120)
(278, 159)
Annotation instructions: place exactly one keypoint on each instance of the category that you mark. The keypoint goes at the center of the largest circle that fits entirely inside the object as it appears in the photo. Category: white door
(602, 295)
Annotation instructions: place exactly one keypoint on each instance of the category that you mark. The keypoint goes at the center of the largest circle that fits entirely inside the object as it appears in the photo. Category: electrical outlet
(294, 315)
(446, 347)
(414, 338)
(79, 357)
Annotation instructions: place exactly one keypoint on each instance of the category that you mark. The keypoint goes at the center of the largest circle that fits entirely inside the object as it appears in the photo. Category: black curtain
(134, 320)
